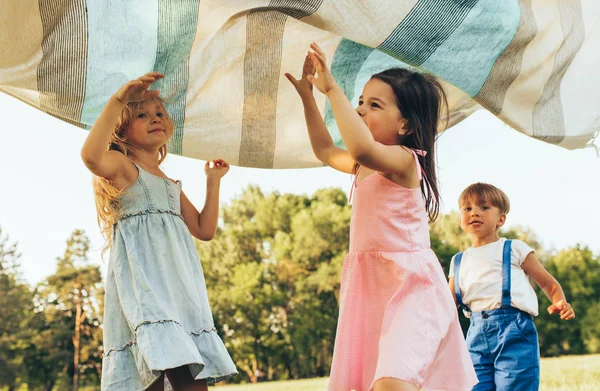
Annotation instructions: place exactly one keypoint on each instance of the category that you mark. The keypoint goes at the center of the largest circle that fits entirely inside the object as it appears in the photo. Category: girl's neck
(147, 159)
(483, 240)
(401, 140)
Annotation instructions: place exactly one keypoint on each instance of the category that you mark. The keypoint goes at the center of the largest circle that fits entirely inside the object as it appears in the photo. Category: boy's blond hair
(482, 192)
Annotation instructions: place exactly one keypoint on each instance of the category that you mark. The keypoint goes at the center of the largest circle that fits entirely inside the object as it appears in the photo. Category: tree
(15, 305)
(578, 272)
(447, 230)
(69, 303)
(273, 274)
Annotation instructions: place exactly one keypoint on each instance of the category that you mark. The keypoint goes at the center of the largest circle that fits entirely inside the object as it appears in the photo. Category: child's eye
(160, 115)
(468, 208)
(141, 115)
(360, 102)
(485, 207)
(374, 104)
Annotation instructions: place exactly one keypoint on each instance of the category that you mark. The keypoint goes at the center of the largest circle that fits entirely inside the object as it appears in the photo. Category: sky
(46, 191)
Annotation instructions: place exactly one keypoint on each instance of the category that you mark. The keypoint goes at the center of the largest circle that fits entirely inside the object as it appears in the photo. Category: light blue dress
(157, 314)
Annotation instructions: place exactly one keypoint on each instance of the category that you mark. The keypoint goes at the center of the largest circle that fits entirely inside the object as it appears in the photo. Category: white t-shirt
(481, 277)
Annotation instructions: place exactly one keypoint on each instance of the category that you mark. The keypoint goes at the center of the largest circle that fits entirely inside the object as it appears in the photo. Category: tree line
(273, 276)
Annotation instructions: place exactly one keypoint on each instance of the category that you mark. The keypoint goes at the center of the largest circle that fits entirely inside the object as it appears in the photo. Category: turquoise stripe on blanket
(352, 66)
(177, 25)
(425, 28)
(346, 63)
(115, 28)
(481, 37)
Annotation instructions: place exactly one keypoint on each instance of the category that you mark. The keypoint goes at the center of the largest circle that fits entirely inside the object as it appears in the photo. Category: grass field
(569, 373)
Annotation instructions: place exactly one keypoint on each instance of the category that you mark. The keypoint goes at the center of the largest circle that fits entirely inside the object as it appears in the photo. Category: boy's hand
(563, 308)
(137, 90)
(325, 81)
(303, 86)
(216, 169)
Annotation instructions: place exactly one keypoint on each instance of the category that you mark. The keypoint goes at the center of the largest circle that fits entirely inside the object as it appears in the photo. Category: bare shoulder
(407, 153)
(407, 176)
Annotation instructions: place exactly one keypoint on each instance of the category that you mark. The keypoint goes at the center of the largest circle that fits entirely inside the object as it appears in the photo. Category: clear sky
(46, 191)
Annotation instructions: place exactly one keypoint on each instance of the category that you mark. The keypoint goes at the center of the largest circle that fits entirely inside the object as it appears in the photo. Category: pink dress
(397, 315)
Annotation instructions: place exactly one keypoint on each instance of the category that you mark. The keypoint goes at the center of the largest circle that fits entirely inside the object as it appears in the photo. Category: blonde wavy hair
(107, 196)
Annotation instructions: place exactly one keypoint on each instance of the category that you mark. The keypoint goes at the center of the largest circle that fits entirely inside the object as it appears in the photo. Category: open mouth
(156, 130)
(476, 222)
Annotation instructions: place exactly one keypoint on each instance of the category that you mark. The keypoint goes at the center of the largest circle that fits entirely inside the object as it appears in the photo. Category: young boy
(490, 283)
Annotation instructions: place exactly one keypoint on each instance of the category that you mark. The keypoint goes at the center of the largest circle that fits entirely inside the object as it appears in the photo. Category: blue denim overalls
(503, 343)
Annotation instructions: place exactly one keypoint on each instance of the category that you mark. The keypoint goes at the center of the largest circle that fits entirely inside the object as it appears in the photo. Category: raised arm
(203, 225)
(320, 140)
(362, 147)
(94, 153)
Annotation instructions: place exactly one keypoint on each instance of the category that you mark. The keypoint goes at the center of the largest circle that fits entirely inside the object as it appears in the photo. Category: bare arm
(361, 145)
(451, 286)
(94, 153)
(550, 286)
(203, 225)
(320, 140)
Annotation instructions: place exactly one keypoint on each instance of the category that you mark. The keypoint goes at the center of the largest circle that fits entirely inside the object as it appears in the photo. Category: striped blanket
(532, 63)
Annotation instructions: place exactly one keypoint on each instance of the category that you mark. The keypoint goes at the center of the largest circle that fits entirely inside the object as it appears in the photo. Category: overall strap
(457, 260)
(506, 265)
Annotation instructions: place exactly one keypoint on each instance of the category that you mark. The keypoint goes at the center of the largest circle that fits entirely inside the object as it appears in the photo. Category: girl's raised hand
(303, 86)
(325, 81)
(137, 90)
(216, 169)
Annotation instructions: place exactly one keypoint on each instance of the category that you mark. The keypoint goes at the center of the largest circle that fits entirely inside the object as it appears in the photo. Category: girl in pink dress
(398, 326)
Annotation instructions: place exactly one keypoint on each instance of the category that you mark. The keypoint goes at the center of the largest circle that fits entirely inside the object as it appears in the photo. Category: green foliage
(571, 373)
(15, 305)
(578, 272)
(48, 351)
(447, 229)
(273, 275)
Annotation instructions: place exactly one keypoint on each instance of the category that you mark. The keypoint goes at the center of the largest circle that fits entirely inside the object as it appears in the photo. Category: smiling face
(378, 109)
(150, 127)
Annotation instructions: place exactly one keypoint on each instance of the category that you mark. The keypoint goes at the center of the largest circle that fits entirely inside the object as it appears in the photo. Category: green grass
(319, 384)
(568, 373)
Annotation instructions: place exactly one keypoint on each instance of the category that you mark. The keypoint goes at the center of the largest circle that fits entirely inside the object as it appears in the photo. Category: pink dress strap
(422, 176)
(353, 184)
(420, 170)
